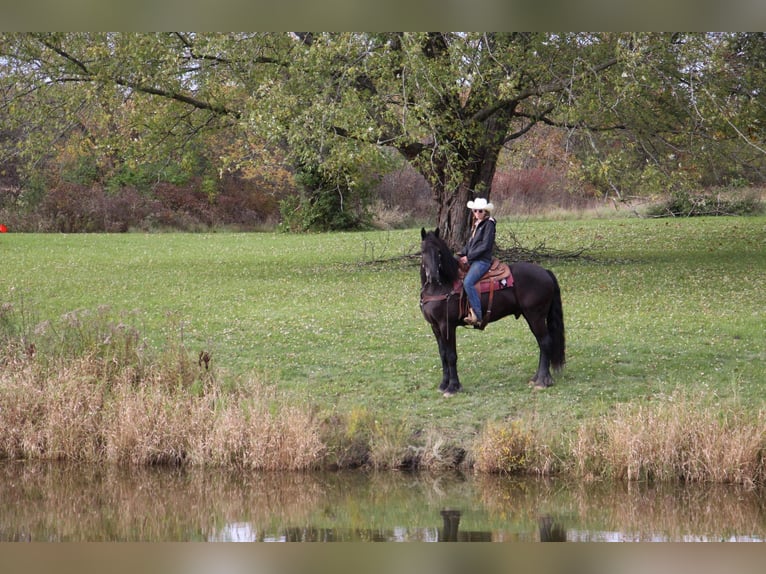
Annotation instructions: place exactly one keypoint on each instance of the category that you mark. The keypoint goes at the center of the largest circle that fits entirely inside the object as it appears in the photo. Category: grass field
(656, 308)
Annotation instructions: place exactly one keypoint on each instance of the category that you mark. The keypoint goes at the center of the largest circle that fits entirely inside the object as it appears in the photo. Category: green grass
(658, 306)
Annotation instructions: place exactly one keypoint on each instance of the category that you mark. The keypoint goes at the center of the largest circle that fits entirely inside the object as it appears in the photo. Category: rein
(442, 297)
(431, 298)
(446, 297)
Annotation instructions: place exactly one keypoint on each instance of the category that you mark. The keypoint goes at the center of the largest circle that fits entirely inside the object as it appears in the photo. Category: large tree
(447, 102)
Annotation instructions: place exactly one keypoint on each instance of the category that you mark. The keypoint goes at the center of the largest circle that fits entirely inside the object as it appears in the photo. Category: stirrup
(471, 319)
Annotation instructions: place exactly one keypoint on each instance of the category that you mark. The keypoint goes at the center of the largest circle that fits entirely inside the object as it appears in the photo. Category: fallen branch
(509, 248)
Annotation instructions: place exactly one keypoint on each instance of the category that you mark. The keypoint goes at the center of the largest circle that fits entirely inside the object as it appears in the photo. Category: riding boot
(472, 319)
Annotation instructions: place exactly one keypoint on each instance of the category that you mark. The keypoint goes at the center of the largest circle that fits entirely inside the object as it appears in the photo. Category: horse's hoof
(448, 394)
(541, 386)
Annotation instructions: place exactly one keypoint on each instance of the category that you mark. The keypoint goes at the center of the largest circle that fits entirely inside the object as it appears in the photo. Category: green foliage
(683, 203)
(325, 203)
(641, 112)
(83, 172)
(143, 176)
(678, 106)
(33, 193)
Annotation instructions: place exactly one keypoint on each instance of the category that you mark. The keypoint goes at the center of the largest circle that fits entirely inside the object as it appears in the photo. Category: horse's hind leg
(537, 324)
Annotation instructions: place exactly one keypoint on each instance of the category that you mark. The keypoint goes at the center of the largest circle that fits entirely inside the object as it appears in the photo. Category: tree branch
(547, 121)
(89, 75)
(551, 87)
(189, 45)
(178, 97)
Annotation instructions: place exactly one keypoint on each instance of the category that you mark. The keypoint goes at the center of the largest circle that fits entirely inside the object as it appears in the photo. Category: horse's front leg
(443, 355)
(450, 383)
(450, 345)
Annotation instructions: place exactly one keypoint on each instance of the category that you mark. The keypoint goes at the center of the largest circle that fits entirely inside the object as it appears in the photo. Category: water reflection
(64, 502)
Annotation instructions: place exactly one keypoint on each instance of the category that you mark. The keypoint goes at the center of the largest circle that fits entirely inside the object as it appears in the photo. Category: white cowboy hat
(480, 203)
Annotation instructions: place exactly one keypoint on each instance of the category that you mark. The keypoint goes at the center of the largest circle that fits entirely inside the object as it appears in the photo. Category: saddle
(498, 276)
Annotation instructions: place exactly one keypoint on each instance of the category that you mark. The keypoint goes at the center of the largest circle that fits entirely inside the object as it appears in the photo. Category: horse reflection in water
(451, 530)
(550, 530)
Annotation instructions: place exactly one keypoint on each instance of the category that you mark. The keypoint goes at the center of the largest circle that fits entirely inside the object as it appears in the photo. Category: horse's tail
(556, 327)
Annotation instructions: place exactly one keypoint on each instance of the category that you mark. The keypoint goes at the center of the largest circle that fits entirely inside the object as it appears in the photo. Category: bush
(402, 199)
(324, 205)
(718, 201)
(77, 208)
(73, 207)
(503, 449)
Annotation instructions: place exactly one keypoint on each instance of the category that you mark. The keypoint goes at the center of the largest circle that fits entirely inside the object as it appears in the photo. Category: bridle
(430, 280)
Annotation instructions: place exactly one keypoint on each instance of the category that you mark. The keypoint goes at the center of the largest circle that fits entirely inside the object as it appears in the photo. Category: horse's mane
(449, 266)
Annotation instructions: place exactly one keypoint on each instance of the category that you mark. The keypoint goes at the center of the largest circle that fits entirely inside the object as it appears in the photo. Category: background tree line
(106, 131)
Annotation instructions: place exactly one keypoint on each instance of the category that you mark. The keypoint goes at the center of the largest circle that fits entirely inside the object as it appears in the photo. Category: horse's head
(430, 257)
(437, 263)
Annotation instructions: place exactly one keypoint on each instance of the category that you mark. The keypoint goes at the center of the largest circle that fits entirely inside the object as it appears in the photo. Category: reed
(680, 438)
(99, 403)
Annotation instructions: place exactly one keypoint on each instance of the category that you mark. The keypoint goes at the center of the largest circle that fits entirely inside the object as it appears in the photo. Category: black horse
(534, 293)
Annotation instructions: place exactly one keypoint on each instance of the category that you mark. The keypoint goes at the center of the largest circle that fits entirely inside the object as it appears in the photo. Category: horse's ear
(436, 232)
(422, 233)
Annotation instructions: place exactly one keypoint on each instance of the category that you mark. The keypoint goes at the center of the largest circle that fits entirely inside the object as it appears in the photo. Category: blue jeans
(478, 268)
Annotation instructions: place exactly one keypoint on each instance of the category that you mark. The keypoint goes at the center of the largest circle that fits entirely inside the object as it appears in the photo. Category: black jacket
(481, 244)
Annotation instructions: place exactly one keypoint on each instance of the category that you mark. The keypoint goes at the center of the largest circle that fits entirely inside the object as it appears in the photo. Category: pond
(47, 502)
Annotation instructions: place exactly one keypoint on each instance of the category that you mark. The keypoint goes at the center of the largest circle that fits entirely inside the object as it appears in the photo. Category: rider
(477, 254)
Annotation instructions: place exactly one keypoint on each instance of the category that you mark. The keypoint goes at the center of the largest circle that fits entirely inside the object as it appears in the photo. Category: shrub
(532, 190)
(403, 197)
(503, 448)
(327, 202)
(716, 201)
(74, 207)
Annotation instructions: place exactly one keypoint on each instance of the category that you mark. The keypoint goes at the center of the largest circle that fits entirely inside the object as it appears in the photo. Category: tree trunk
(453, 217)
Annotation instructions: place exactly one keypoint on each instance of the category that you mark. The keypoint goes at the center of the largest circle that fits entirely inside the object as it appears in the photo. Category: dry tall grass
(85, 410)
(91, 409)
(676, 439)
